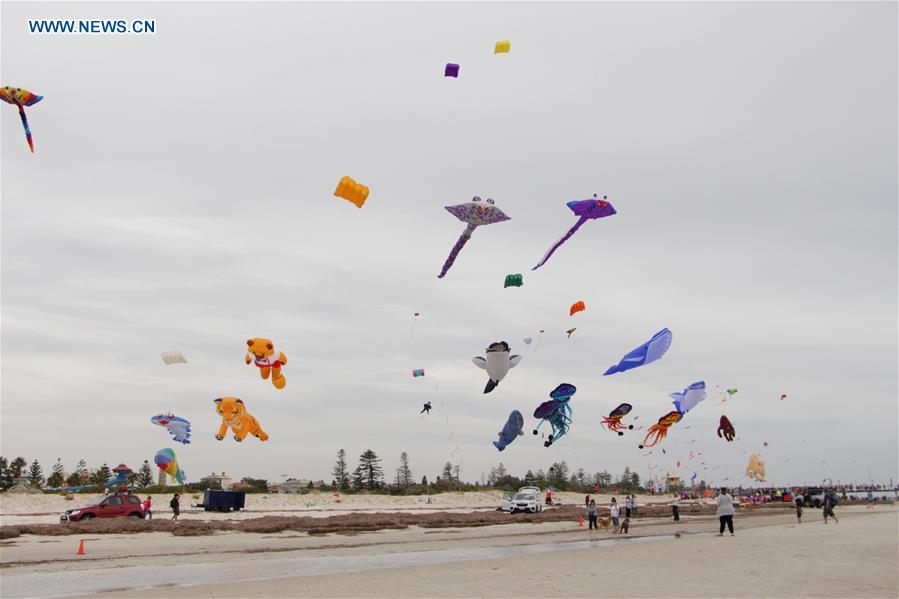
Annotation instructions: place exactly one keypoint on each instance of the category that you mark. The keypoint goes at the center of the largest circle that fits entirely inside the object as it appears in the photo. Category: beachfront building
(122, 472)
(295, 485)
(222, 481)
(673, 482)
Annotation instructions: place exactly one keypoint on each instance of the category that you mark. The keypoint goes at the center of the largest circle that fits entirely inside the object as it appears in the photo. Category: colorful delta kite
(557, 412)
(726, 429)
(576, 307)
(657, 432)
(689, 398)
(570, 331)
(475, 213)
(511, 431)
(647, 353)
(613, 420)
(497, 363)
(418, 372)
(348, 189)
(502, 47)
(451, 70)
(173, 357)
(267, 359)
(513, 281)
(178, 427)
(21, 98)
(756, 468)
(165, 459)
(586, 210)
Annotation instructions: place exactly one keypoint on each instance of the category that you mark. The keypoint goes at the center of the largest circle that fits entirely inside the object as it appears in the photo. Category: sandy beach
(855, 558)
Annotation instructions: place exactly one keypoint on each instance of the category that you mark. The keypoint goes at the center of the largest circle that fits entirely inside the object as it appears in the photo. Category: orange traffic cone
(80, 548)
(581, 523)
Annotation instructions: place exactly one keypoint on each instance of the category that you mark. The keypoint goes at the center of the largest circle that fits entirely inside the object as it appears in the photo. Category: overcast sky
(180, 198)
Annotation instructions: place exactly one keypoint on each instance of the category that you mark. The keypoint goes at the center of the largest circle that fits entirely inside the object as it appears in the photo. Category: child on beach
(175, 504)
(799, 501)
(591, 515)
(614, 511)
(148, 503)
(675, 510)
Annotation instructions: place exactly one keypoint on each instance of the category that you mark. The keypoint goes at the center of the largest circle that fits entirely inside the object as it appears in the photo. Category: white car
(526, 501)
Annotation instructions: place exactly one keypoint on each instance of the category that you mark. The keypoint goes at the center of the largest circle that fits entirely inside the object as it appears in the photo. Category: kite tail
(27, 129)
(463, 239)
(559, 243)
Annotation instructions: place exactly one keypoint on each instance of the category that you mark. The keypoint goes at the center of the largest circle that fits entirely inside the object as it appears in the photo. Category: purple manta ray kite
(475, 213)
(586, 210)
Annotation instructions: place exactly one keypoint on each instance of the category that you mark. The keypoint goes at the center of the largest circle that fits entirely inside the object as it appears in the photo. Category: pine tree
(457, 472)
(339, 472)
(370, 471)
(404, 472)
(58, 477)
(424, 480)
(144, 475)
(9, 473)
(101, 475)
(358, 479)
(581, 476)
(500, 471)
(36, 476)
(448, 472)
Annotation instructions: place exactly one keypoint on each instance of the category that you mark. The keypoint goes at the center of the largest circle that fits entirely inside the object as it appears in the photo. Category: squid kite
(557, 412)
(726, 428)
(21, 98)
(586, 210)
(657, 432)
(178, 427)
(475, 213)
(613, 420)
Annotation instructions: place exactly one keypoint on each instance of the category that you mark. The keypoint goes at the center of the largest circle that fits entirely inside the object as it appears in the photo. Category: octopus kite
(21, 98)
(557, 412)
(475, 214)
(613, 420)
(657, 432)
(586, 210)
(725, 427)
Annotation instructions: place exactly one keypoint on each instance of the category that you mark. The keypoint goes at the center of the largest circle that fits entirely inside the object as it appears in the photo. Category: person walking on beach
(675, 509)
(591, 515)
(426, 408)
(148, 504)
(829, 502)
(175, 504)
(614, 512)
(628, 506)
(725, 512)
(799, 500)
(587, 501)
(634, 505)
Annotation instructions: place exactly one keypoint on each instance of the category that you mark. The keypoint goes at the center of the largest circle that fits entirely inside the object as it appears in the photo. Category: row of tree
(80, 476)
(561, 478)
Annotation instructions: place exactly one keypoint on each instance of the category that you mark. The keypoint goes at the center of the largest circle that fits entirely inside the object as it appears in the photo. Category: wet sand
(770, 556)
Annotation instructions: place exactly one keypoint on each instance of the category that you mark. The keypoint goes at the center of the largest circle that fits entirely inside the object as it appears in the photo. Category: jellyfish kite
(178, 427)
(657, 432)
(613, 420)
(165, 459)
(726, 429)
(689, 398)
(21, 98)
(557, 412)
(647, 353)
(475, 213)
(586, 210)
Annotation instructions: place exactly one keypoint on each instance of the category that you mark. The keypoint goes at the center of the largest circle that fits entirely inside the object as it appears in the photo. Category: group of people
(175, 504)
(619, 526)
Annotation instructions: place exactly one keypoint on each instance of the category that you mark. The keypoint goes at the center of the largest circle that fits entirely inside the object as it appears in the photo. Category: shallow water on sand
(82, 582)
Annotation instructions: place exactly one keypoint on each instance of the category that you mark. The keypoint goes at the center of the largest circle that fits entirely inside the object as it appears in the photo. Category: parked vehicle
(509, 497)
(114, 505)
(222, 501)
(526, 501)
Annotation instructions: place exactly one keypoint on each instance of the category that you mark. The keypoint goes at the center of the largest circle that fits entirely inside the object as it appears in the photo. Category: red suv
(107, 506)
